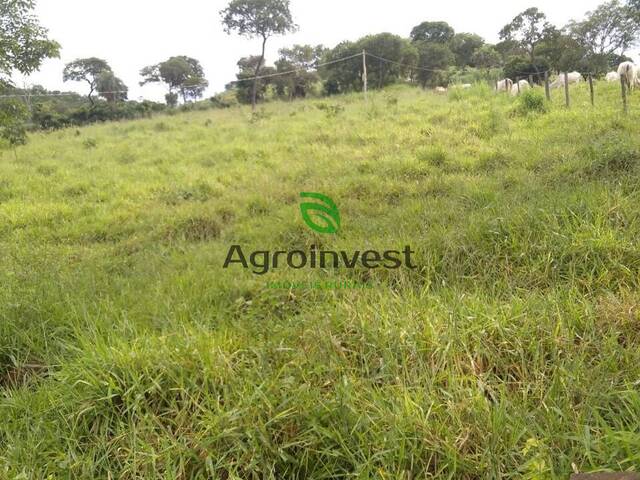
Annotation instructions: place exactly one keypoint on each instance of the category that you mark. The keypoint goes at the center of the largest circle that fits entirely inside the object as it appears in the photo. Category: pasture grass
(126, 351)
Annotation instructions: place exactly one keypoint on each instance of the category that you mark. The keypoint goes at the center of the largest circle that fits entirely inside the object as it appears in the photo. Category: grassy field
(512, 351)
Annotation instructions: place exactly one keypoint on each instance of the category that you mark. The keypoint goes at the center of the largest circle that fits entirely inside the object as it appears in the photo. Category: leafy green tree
(347, 75)
(342, 76)
(302, 59)
(13, 115)
(171, 99)
(398, 50)
(111, 88)
(486, 57)
(634, 8)
(435, 58)
(183, 75)
(258, 18)
(86, 70)
(245, 91)
(436, 32)
(464, 46)
(23, 42)
(612, 28)
(528, 29)
(520, 67)
(23, 46)
(563, 53)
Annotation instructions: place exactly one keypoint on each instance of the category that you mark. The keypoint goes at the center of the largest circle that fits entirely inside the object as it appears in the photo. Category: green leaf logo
(322, 216)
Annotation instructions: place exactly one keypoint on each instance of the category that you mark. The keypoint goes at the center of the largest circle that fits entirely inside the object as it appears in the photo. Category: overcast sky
(131, 34)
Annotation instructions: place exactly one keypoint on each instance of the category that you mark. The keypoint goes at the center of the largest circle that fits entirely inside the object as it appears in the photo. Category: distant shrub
(224, 100)
(531, 101)
(13, 115)
(47, 116)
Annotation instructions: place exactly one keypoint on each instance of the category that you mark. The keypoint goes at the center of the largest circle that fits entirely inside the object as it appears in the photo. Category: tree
(258, 18)
(13, 115)
(463, 46)
(302, 59)
(486, 57)
(612, 28)
(634, 8)
(23, 42)
(402, 54)
(246, 92)
(182, 74)
(345, 76)
(23, 47)
(528, 29)
(564, 54)
(437, 32)
(88, 70)
(111, 88)
(520, 67)
(435, 58)
(342, 76)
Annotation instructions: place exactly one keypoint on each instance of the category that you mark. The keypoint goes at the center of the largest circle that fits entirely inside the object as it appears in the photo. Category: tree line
(433, 54)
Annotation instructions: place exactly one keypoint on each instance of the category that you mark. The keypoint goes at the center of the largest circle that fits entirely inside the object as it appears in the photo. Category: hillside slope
(511, 351)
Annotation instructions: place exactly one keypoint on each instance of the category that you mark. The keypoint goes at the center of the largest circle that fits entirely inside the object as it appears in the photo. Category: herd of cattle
(627, 71)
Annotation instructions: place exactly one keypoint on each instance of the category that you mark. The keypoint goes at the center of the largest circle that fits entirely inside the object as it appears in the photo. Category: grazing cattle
(629, 74)
(466, 85)
(519, 87)
(612, 77)
(573, 77)
(504, 85)
(441, 90)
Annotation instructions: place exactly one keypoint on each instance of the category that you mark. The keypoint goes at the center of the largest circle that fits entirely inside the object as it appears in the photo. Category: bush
(13, 115)
(46, 116)
(531, 101)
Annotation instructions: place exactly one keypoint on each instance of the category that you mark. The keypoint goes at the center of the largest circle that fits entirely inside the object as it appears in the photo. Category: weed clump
(195, 229)
(433, 155)
(529, 102)
(331, 110)
(90, 143)
(615, 153)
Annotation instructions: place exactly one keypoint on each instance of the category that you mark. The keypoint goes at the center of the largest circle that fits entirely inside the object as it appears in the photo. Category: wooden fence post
(566, 89)
(518, 83)
(624, 93)
(364, 72)
(531, 80)
(590, 78)
(547, 92)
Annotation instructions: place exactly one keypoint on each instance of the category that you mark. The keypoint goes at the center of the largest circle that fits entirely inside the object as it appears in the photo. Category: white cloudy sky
(130, 34)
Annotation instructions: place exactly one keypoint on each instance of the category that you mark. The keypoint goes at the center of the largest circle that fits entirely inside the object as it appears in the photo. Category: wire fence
(542, 77)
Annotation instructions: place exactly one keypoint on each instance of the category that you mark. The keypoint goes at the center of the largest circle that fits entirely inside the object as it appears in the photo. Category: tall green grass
(126, 351)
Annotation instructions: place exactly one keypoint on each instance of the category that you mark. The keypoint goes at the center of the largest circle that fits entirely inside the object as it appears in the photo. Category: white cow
(628, 71)
(441, 90)
(504, 85)
(572, 77)
(466, 85)
(612, 77)
(519, 87)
